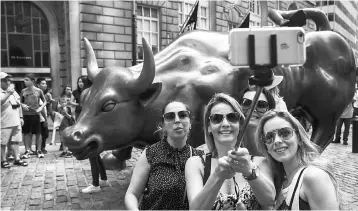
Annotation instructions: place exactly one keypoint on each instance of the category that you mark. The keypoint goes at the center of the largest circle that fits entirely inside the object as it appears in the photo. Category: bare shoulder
(315, 176)
(38, 90)
(195, 163)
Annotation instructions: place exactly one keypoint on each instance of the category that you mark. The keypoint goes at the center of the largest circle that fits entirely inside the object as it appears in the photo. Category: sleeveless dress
(243, 198)
(289, 198)
(166, 187)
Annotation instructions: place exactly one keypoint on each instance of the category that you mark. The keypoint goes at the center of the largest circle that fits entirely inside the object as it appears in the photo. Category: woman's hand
(240, 161)
(223, 169)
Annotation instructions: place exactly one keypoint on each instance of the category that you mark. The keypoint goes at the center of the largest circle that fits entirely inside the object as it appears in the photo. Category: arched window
(24, 35)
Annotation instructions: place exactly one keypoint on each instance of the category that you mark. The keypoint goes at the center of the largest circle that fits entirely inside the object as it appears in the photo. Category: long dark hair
(86, 83)
(270, 99)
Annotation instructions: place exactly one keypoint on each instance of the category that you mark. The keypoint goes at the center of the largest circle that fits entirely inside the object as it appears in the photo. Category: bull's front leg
(116, 160)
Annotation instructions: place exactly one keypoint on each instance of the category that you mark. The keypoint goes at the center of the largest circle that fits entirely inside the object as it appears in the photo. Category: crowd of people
(26, 115)
(276, 167)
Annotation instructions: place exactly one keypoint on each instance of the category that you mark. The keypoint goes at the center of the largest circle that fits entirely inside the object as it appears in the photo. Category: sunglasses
(262, 106)
(170, 116)
(234, 117)
(284, 133)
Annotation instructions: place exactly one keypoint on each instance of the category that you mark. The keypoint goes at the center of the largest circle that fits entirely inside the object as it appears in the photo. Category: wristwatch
(254, 173)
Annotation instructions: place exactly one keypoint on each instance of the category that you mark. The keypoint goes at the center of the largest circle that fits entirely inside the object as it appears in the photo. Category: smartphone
(290, 45)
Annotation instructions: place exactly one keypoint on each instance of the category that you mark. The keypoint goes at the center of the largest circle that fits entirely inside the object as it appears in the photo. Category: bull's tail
(280, 17)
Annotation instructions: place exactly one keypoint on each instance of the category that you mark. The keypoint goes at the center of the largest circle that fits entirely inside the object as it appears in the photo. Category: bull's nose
(77, 135)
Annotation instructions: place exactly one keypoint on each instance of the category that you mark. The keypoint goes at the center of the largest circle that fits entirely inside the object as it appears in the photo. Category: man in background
(11, 121)
(30, 99)
(42, 84)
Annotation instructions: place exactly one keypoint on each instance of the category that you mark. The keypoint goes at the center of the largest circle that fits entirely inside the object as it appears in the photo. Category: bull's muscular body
(194, 67)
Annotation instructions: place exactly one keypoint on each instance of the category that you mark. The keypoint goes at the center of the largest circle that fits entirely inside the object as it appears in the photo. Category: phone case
(290, 46)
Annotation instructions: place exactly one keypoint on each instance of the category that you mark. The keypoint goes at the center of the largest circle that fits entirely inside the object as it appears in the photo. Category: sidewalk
(54, 183)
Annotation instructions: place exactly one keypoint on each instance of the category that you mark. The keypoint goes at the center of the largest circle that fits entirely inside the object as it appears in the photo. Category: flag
(190, 22)
(246, 22)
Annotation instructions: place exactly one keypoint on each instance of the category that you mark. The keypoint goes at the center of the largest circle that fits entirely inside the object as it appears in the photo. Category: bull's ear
(150, 94)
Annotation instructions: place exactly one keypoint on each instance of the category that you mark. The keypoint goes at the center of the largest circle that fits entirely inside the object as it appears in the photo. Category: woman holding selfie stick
(226, 179)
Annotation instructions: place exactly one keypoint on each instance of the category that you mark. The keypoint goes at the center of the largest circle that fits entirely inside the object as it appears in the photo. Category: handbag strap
(207, 168)
(295, 189)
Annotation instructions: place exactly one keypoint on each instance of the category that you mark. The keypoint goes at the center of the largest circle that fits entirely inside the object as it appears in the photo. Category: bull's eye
(185, 59)
(108, 106)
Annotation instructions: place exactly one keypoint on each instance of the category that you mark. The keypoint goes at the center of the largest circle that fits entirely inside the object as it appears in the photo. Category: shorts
(31, 124)
(11, 134)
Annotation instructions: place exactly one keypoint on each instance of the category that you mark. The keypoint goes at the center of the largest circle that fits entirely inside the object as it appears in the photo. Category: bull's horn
(92, 66)
(146, 77)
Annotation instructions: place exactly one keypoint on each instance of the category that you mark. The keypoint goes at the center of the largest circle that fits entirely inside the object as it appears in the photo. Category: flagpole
(134, 35)
(196, 6)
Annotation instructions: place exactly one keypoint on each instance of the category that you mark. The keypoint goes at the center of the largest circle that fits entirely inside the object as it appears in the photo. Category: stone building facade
(108, 25)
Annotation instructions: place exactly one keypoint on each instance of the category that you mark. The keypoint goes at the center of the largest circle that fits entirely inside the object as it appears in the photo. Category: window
(254, 7)
(24, 35)
(277, 5)
(330, 16)
(232, 25)
(147, 27)
(203, 14)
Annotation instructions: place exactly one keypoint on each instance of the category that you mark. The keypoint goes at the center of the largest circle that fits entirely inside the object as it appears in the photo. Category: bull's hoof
(112, 163)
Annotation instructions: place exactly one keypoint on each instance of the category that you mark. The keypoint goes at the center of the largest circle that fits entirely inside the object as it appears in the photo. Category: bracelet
(254, 173)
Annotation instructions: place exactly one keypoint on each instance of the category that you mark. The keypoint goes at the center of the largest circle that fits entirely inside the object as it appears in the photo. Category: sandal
(5, 164)
(20, 163)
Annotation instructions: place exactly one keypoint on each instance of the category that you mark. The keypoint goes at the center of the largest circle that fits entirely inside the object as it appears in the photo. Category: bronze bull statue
(123, 106)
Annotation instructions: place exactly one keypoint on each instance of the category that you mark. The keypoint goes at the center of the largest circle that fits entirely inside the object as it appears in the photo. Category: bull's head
(113, 107)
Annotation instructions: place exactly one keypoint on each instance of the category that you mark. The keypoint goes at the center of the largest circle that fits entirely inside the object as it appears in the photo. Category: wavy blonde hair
(216, 99)
(308, 153)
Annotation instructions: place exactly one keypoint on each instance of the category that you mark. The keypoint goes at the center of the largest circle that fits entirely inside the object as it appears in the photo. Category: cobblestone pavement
(54, 183)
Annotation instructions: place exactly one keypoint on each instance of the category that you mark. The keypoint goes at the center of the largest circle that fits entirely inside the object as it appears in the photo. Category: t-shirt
(10, 115)
(32, 99)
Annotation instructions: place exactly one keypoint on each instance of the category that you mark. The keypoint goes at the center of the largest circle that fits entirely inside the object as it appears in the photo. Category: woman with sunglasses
(159, 173)
(226, 179)
(265, 102)
(303, 179)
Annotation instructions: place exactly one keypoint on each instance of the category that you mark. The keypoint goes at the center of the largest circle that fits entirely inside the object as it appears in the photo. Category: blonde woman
(304, 181)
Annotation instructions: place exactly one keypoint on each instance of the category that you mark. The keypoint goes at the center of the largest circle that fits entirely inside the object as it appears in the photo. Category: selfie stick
(263, 76)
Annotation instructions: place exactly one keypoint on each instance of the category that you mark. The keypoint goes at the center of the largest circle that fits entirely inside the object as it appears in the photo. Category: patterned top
(165, 189)
(241, 200)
